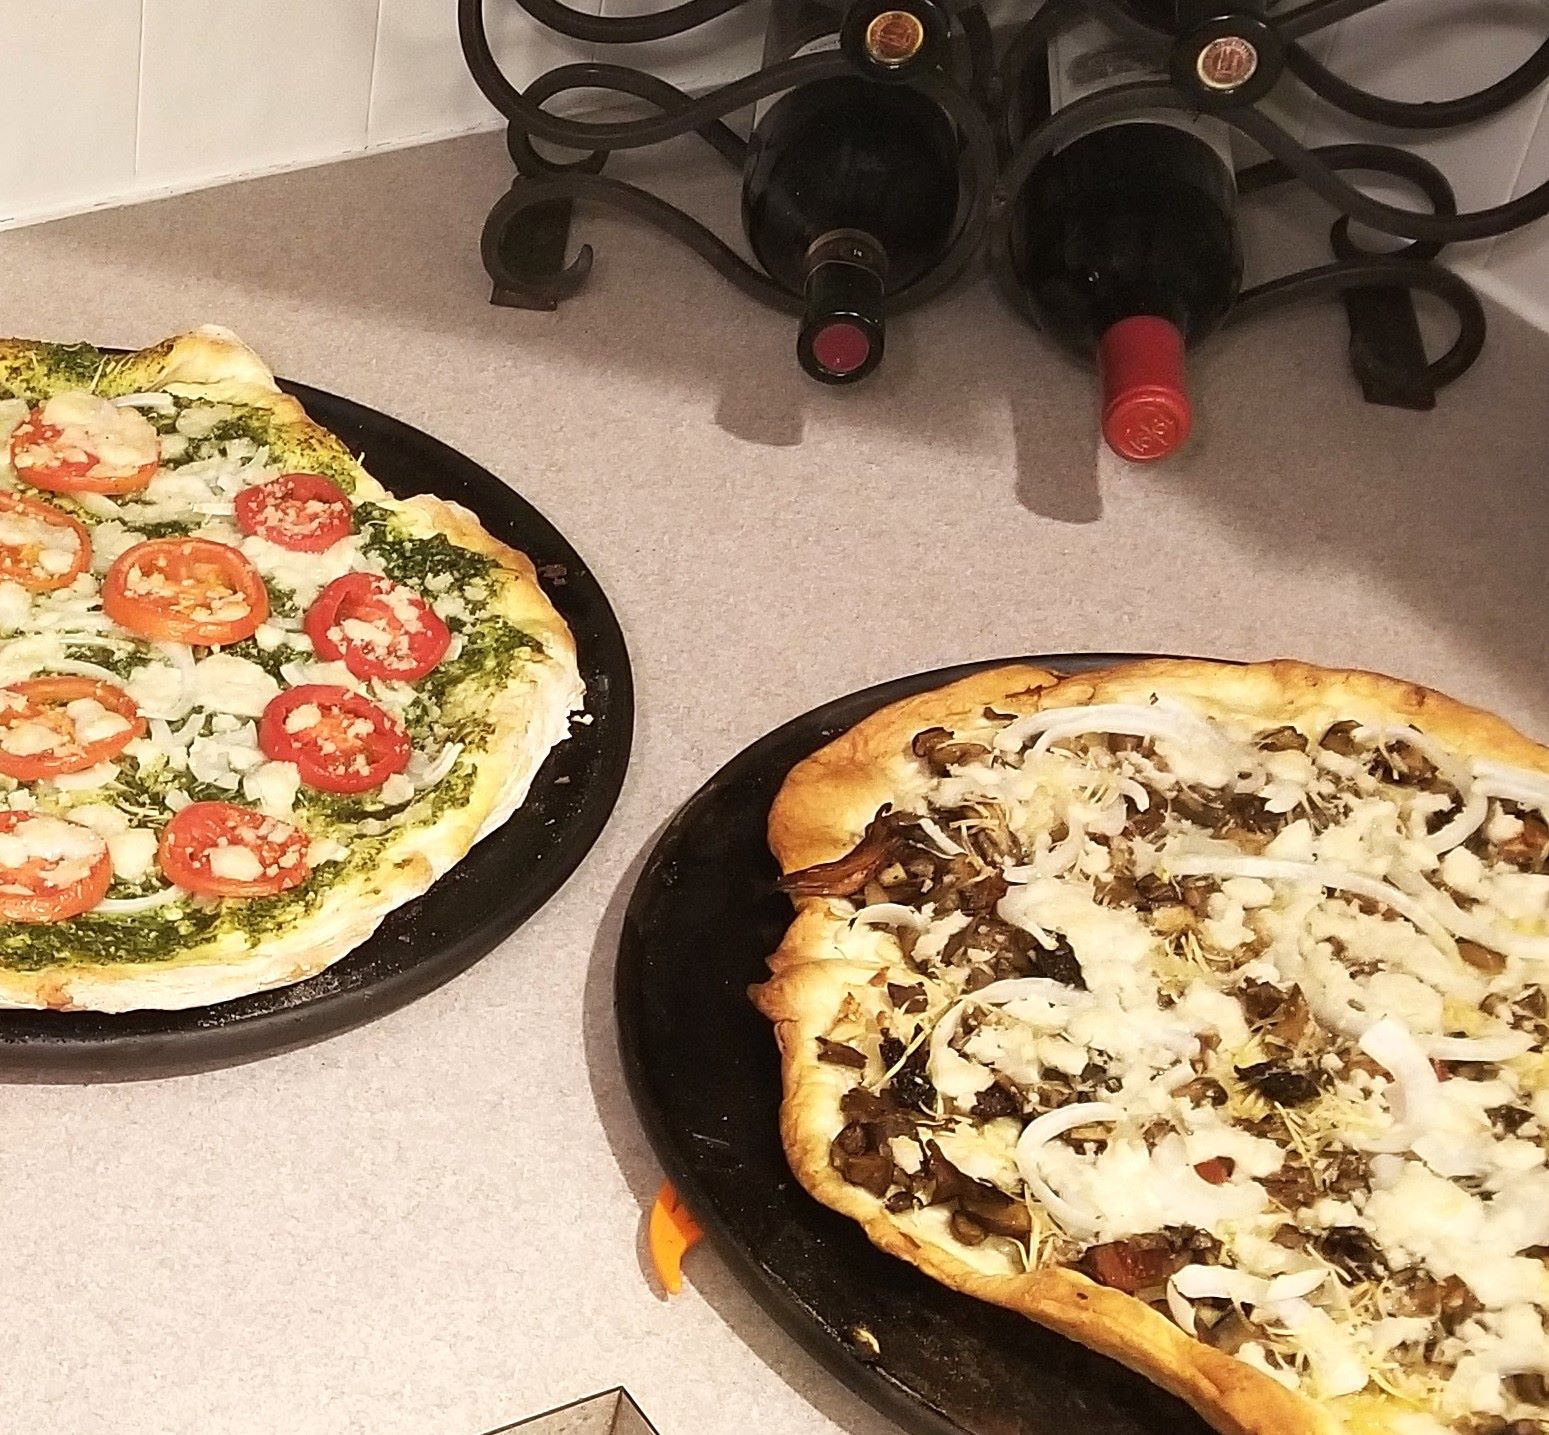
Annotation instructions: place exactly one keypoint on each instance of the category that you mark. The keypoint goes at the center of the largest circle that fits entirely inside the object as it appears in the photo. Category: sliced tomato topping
(50, 869)
(223, 850)
(339, 740)
(81, 443)
(41, 547)
(377, 628)
(185, 590)
(300, 511)
(55, 725)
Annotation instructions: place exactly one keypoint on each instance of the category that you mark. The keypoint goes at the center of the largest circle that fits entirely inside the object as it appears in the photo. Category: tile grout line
(376, 50)
(139, 93)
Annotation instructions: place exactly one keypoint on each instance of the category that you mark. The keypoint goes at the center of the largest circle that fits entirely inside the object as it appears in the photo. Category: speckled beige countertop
(429, 1226)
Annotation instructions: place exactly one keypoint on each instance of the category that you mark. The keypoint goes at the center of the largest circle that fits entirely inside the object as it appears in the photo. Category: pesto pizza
(250, 701)
(1199, 1013)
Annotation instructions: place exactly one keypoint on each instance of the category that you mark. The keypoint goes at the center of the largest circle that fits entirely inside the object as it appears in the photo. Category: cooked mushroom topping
(1247, 814)
(847, 875)
(1530, 1387)
(1402, 763)
(1283, 739)
(1058, 963)
(947, 1183)
(942, 751)
(1481, 958)
(1348, 1171)
(1350, 1250)
(1204, 1091)
(910, 1084)
(1423, 1294)
(859, 1104)
(838, 1054)
(1152, 892)
(995, 1211)
(1231, 1331)
(1281, 1082)
(1009, 949)
(907, 998)
(967, 1230)
(1282, 1015)
(1499, 1425)
(1340, 738)
(1508, 1120)
(861, 1163)
(989, 835)
(1293, 1185)
(995, 1101)
(1144, 824)
(1529, 848)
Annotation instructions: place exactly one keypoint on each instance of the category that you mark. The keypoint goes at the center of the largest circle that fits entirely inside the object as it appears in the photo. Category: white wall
(108, 101)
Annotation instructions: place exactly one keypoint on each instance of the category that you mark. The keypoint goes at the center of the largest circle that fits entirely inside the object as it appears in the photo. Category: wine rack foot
(524, 253)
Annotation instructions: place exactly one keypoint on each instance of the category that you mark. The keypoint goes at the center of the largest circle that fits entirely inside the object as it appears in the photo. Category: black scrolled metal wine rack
(1222, 60)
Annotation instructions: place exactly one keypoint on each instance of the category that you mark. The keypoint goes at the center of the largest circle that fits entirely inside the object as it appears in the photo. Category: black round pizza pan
(702, 1069)
(492, 891)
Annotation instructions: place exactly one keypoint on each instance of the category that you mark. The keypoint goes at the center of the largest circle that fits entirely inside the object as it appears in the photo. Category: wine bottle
(1126, 242)
(851, 190)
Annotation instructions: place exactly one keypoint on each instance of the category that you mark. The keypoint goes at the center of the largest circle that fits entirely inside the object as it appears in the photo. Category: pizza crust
(819, 815)
(529, 719)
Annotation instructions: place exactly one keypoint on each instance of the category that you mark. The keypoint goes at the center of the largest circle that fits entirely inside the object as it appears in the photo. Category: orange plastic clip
(673, 1232)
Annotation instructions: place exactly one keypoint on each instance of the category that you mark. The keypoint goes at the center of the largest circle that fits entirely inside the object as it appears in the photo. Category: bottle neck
(1146, 412)
(842, 328)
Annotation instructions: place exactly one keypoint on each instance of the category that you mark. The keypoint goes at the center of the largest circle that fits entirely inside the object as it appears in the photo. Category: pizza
(1198, 1012)
(250, 701)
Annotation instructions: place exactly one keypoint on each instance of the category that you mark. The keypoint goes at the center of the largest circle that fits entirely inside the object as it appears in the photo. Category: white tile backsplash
(228, 86)
(711, 55)
(70, 75)
(113, 100)
(421, 87)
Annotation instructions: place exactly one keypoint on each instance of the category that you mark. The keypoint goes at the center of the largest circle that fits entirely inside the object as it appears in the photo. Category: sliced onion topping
(1240, 1287)
(1336, 879)
(1164, 720)
(1038, 1133)
(129, 906)
(1515, 784)
(890, 914)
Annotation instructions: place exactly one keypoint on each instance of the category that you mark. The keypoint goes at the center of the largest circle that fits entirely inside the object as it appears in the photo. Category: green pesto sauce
(272, 661)
(413, 560)
(120, 662)
(491, 649)
(35, 371)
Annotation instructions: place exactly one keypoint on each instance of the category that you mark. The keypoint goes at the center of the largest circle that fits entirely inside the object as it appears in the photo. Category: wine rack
(1223, 62)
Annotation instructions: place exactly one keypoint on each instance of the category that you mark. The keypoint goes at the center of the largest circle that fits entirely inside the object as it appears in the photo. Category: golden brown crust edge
(821, 811)
(828, 798)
